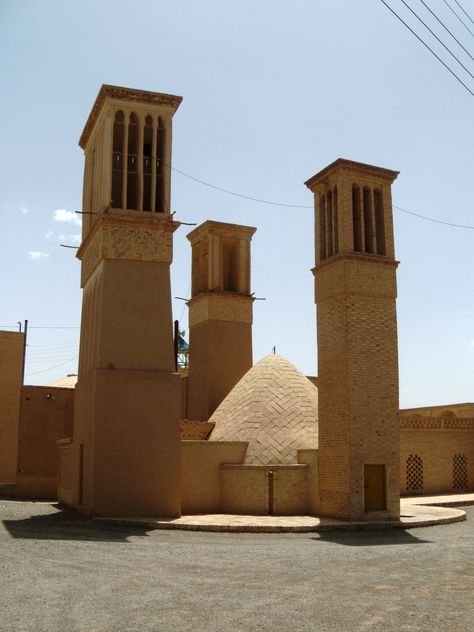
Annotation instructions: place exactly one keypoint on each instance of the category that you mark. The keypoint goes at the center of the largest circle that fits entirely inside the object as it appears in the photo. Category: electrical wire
(464, 11)
(431, 219)
(247, 197)
(50, 327)
(184, 304)
(428, 47)
(51, 368)
(53, 344)
(240, 195)
(446, 29)
(460, 19)
(437, 38)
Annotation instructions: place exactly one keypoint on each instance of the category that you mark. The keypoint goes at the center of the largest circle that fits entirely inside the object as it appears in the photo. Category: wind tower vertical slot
(147, 162)
(117, 161)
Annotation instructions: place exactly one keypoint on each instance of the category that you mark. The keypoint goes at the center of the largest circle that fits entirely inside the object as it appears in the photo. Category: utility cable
(50, 327)
(464, 11)
(460, 19)
(428, 47)
(438, 39)
(247, 197)
(240, 195)
(431, 219)
(52, 367)
(446, 29)
(184, 305)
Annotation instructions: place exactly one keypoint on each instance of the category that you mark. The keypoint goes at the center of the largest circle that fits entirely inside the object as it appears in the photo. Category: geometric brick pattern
(275, 408)
(439, 423)
(459, 472)
(195, 430)
(414, 473)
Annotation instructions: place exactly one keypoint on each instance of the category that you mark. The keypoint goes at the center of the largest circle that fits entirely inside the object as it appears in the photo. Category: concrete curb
(192, 524)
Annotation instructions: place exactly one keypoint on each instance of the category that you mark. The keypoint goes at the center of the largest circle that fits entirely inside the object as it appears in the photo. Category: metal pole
(25, 330)
(176, 334)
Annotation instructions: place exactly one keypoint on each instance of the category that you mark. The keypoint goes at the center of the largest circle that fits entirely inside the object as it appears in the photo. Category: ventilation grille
(414, 473)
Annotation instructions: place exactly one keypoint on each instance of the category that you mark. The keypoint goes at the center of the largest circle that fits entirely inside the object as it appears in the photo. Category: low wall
(46, 417)
(434, 452)
(310, 457)
(200, 479)
(279, 490)
(11, 368)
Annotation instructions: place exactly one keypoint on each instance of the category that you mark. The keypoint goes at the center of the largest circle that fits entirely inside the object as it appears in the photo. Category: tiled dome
(275, 408)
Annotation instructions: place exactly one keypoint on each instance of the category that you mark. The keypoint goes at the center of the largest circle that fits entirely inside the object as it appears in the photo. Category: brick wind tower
(355, 292)
(220, 314)
(127, 406)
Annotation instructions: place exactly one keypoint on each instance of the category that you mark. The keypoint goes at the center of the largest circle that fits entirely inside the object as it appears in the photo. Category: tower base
(127, 443)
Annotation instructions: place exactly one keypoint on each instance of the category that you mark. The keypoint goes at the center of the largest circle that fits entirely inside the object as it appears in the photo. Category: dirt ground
(59, 572)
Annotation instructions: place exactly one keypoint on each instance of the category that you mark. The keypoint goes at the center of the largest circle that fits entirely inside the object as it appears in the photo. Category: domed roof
(275, 408)
(64, 382)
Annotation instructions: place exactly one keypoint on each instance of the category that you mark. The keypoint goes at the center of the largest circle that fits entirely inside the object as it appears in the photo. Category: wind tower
(127, 405)
(220, 314)
(355, 292)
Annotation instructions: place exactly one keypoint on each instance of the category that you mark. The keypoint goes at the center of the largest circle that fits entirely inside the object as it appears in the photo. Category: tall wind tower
(220, 314)
(128, 395)
(355, 292)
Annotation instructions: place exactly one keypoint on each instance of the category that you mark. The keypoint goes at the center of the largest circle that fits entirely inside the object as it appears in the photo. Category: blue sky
(273, 92)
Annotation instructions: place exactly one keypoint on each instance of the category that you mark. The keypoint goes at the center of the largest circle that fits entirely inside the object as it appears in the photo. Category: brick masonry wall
(358, 380)
(436, 441)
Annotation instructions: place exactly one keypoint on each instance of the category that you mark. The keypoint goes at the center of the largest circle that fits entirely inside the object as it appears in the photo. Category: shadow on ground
(370, 538)
(67, 524)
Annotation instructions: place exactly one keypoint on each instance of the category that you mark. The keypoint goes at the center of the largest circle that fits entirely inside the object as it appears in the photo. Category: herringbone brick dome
(275, 408)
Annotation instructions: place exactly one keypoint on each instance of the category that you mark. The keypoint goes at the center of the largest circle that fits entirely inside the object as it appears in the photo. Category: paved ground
(59, 573)
(414, 512)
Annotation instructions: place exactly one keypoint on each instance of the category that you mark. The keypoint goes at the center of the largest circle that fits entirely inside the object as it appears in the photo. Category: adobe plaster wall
(262, 489)
(221, 354)
(133, 458)
(11, 369)
(200, 472)
(47, 415)
(311, 459)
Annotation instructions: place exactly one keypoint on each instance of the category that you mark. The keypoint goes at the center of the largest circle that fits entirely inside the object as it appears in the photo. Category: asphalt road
(59, 573)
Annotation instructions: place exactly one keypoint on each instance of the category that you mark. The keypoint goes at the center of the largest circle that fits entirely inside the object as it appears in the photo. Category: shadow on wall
(370, 538)
(67, 524)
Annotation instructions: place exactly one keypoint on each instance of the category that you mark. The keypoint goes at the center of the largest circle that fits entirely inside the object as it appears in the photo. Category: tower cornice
(223, 229)
(351, 166)
(130, 95)
(356, 256)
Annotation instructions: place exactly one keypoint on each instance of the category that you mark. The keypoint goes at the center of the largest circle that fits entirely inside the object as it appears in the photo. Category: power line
(240, 195)
(51, 327)
(446, 29)
(465, 12)
(68, 343)
(460, 19)
(437, 38)
(431, 219)
(426, 46)
(52, 367)
(247, 197)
